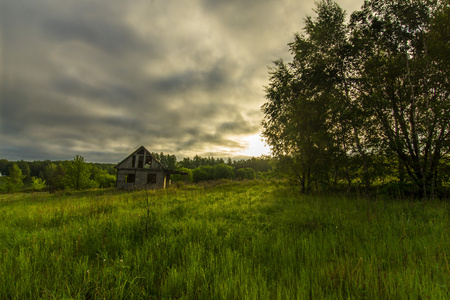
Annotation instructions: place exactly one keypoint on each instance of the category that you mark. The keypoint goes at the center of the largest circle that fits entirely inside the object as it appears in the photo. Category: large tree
(307, 96)
(378, 86)
(401, 62)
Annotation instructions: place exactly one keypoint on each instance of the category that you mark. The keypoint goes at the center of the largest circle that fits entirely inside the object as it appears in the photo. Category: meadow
(227, 240)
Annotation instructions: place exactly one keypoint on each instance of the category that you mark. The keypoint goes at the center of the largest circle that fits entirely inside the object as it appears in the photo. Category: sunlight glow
(255, 146)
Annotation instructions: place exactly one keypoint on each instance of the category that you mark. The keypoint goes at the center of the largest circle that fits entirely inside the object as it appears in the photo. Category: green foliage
(54, 176)
(222, 171)
(198, 161)
(13, 182)
(102, 178)
(403, 83)
(245, 173)
(109, 168)
(168, 160)
(305, 99)
(356, 92)
(258, 164)
(15, 175)
(15, 178)
(178, 177)
(5, 165)
(219, 171)
(252, 240)
(203, 173)
(60, 175)
(4, 184)
(37, 184)
(25, 168)
(78, 174)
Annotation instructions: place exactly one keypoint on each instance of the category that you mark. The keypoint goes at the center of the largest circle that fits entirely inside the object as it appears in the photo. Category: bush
(203, 173)
(181, 178)
(4, 184)
(222, 171)
(105, 180)
(245, 173)
(37, 184)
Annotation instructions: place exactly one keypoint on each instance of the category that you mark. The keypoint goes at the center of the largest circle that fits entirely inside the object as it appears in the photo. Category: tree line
(209, 168)
(366, 100)
(39, 175)
(78, 174)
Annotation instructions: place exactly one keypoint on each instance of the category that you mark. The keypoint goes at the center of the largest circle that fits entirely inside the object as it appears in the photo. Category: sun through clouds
(255, 146)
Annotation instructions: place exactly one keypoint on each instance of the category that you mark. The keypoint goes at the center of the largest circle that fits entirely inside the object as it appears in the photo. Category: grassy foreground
(251, 240)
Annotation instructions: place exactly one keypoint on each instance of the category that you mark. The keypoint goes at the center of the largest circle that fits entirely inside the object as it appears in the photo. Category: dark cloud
(99, 78)
(206, 80)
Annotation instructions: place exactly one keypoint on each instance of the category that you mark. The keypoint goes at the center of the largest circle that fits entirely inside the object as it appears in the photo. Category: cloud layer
(100, 78)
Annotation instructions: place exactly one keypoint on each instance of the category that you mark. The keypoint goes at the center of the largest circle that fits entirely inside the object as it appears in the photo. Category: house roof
(138, 150)
(154, 158)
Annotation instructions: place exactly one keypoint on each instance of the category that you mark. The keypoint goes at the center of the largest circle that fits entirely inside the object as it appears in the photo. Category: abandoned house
(141, 169)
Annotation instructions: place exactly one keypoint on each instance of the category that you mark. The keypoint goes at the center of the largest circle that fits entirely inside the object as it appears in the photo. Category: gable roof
(139, 150)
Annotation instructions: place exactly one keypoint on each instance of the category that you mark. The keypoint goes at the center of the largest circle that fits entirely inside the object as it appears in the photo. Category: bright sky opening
(255, 146)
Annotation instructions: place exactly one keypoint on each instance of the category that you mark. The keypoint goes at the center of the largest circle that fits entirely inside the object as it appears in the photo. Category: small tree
(78, 173)
(25, 168)
(54, 176)
(15, 178)
(37, 184)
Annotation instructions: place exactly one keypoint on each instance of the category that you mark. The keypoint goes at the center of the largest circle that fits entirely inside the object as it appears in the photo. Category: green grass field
(230, 240)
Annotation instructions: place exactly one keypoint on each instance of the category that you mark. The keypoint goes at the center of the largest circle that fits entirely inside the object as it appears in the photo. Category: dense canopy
(366, 98)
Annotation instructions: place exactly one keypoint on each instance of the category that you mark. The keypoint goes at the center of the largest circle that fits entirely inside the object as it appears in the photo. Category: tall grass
(253, 240)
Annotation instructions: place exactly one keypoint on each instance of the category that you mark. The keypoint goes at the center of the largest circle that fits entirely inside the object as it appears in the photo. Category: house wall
(140, 180)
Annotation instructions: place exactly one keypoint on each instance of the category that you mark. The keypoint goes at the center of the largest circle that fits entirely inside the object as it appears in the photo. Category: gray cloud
(99, 78)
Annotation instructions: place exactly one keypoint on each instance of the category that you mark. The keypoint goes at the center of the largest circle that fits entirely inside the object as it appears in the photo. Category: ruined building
(141, 170)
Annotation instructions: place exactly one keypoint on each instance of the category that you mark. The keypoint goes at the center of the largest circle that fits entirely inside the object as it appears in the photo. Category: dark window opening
(130, 178)
(133, 161)
(151, 178)
(141, 152)
(148, 162)
(141, 161)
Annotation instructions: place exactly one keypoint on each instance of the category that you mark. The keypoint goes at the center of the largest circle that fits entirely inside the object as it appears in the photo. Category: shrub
(245, 173)
(222, 171)
(37, 184)
(203, 173)
(178, 177)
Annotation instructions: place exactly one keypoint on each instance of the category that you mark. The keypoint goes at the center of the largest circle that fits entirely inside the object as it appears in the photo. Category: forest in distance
(78, 174)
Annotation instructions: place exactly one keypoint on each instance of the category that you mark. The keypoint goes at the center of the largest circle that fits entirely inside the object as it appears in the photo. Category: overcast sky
(99, 78)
